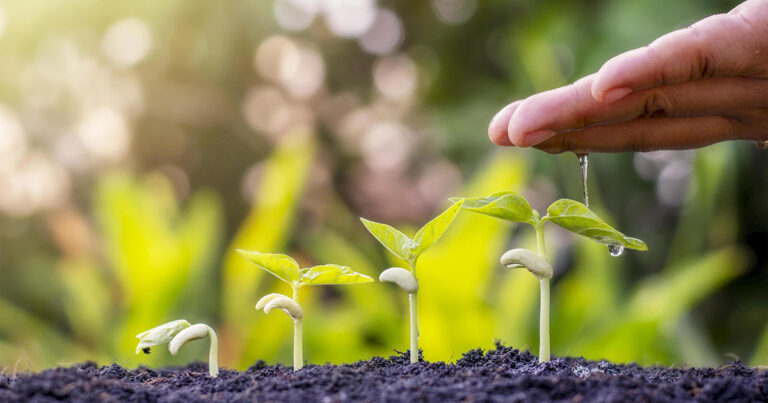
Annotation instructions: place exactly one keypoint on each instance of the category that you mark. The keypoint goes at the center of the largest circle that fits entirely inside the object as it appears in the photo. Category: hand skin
(690, 88)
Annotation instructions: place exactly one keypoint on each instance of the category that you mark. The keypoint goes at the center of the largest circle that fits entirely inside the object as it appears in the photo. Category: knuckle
(656, 104)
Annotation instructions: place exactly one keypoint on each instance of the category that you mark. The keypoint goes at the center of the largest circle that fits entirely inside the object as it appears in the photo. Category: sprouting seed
(569, 214)
(409, 250)
(287, 269)
(176, 334)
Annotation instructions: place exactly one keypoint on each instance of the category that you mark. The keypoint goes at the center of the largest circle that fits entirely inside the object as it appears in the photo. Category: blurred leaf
(281, 266)
(587, 294)
(505, 205)
(154, 249)
(638, 331)
(760, 356)
(86, 301)
(433, 230)
(332, 274)
(268, 227)
(577, 218)
(455, 277)
(36, 339)
(366, 321)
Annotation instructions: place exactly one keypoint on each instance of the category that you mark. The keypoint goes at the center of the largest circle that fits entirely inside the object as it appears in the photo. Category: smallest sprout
(176, 334)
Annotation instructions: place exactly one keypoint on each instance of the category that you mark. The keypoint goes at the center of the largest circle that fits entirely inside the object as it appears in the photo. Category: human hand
(690, 88)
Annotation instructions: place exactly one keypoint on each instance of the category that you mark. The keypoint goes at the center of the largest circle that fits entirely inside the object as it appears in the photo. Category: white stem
(414, 329)
(544, 321)
(298, 354)
(213, 354)
(298, 350)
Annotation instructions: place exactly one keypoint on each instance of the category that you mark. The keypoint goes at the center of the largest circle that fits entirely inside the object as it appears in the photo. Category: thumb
(720, 45)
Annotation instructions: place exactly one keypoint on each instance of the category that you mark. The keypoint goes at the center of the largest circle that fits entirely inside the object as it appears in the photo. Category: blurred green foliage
(219, 154)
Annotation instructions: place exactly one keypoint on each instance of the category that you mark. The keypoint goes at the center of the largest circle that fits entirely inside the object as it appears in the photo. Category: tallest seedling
(409, 250)
(569, 214)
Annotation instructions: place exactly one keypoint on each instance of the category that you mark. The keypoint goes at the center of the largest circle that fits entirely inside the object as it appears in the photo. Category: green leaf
(433, 230)
(391, 238)
(332, 274)
(577, 218)
(281, 266)
(507, 205)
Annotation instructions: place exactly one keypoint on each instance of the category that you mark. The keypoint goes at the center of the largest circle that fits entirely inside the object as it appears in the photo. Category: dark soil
(503, 374)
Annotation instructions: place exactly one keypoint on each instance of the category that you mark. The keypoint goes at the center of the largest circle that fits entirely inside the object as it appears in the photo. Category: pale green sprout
(287, 269)
(177, 333)
(409, 250)
(569, 214)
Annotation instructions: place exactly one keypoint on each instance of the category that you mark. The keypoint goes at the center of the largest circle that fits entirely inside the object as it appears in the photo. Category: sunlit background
(141, 142)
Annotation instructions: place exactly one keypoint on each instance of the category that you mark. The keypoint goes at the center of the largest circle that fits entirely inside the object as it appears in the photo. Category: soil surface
(503, 374)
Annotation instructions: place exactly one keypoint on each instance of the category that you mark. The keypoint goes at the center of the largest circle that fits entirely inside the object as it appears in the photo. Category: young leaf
(507, 205)
(433, 230)
(332, 274)
(160, 334)
(281, 266)
(576, 217)
(392, 239)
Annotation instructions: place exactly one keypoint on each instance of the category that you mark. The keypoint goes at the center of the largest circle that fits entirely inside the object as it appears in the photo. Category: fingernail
(533, 138)
(498, 126)
(615, 94)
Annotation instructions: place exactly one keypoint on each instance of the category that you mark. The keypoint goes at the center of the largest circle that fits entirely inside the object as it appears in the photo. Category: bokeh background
(142, 142)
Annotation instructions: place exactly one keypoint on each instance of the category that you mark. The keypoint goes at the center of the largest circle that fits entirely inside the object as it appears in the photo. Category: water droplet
(584, 165)
(616, 250)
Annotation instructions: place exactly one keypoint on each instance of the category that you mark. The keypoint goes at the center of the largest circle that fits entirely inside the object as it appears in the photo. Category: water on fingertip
(615, 250)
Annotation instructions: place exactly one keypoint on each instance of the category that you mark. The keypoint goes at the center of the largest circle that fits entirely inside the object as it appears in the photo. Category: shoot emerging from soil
(176, 334)
(287, 270)
(409, 250)
(569, 214)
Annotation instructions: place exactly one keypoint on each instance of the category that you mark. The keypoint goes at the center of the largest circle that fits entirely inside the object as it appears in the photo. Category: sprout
(409, 250)
(176, 334)
(569, 214)
(286, 269)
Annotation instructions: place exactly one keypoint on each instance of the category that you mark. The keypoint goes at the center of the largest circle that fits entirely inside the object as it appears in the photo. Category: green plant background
(151, 236)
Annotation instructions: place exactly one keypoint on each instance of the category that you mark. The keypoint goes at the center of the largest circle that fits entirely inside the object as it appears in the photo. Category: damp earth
(501, 374)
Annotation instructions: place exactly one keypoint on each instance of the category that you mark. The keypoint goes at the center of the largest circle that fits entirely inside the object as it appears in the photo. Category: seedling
(176, 334)
(569, 214)
(409, 250)
(286, 269)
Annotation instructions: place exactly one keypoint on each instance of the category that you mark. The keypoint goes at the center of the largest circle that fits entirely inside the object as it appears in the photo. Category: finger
(648, 134)
(572, 107)
(531, 122)
(725, 44)
(497, 129)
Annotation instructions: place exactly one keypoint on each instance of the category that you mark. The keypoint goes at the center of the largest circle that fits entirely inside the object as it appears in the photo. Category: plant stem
(414, 329)
(544, 321)
(544, 301)
(298, 351)
(213, 354)
(540, 240)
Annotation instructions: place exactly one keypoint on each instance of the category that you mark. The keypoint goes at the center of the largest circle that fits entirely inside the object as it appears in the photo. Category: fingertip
(530, 139)
(615, 94)
(497, 129)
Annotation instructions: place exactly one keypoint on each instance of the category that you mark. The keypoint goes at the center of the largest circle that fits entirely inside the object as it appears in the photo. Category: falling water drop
(616, 250)
(584, 165)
